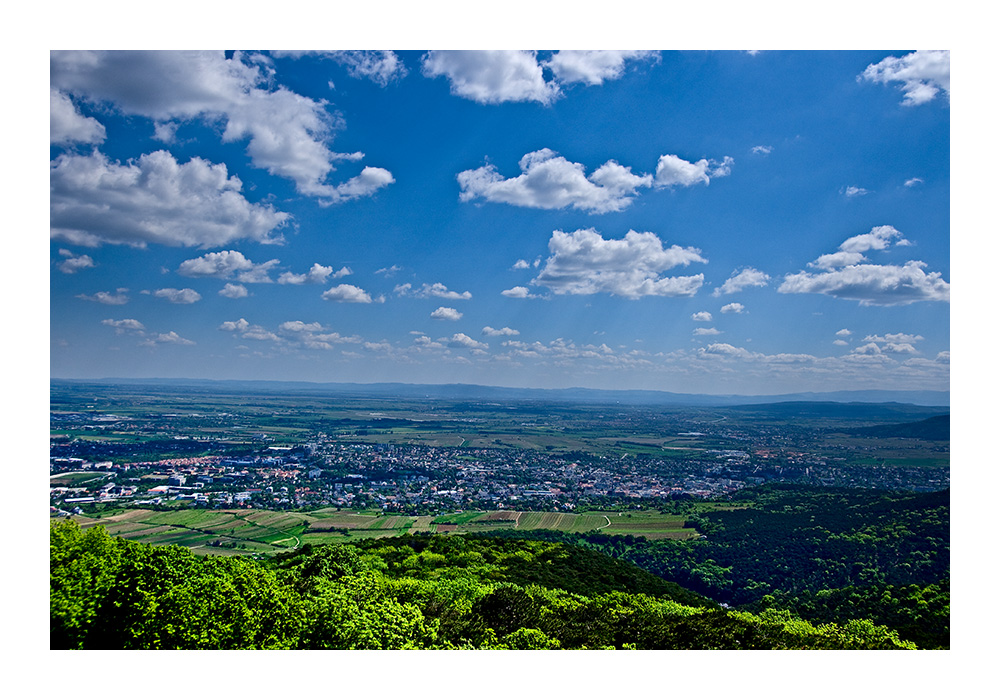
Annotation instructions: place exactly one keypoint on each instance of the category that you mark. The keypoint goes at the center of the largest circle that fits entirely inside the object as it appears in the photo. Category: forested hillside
(414, 592)
(829, 555)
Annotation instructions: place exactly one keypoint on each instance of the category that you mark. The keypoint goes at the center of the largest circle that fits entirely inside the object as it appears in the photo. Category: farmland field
(262, 531)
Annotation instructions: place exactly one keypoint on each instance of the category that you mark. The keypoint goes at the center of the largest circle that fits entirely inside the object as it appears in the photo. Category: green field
(243, 531)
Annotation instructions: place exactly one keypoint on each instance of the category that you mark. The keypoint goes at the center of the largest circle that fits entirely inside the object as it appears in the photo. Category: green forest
(786, 567)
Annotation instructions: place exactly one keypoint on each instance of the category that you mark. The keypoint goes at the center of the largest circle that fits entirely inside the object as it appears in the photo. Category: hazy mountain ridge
(496, 393)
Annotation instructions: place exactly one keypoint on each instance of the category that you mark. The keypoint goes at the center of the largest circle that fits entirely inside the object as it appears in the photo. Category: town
(156, 459)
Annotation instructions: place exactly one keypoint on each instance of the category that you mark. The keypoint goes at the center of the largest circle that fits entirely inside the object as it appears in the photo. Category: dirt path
(604, 526)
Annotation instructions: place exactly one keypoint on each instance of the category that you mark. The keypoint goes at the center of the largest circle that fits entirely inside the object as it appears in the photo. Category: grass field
(241, 531)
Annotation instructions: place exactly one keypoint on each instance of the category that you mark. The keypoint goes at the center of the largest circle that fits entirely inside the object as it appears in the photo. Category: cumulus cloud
(701, 316)
(852, 191)
(225, 264)
(832, 261)
(116, 298)
(154, 199)
(314, 335)
(706, 331)
(431, 290)
(582, 262)
(388, 271)
(171, 338)
(490, 331)
(492, 77)
(317, 274)
(234, 291)
(872, 285)
(519, 293)
(923, 75)
(347, 293)
(461, 340)
(364, 185)
(124, 325)
(550, 181)
(446, 313)
(593, 67)
(913, 182)
(849, 275)
(843, 332)
(74, 263)
(734, 308)
(765, 150)
(177, 296)
(67, 125)
(879, 238)
(747, 277)
(237, 326)
(672, 171)
(287, 133)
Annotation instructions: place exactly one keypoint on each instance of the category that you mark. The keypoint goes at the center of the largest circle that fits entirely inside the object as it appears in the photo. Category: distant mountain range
(475, 392)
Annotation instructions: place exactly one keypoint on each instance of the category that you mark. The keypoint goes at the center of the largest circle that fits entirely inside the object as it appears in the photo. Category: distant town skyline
(698, 221)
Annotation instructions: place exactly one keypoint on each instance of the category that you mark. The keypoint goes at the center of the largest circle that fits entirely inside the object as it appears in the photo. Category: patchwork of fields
(246, 531)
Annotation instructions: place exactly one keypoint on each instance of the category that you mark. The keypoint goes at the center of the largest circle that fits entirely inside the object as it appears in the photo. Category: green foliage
(427, 592)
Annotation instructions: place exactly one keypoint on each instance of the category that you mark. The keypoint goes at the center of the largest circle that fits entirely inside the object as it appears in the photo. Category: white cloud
(225, 264)
(852, 191)
(923, 75)
(840, 342)
(166, 132)
(879, 238)
(381, 67)
(490, 331)
(347, 293)
(521, 265)
(913, 182)
(446, 313)
(706, 331)
(843, 332)
(519, 293)
(765, 150)
(734, 308)
(166, 338)
(153, 200)
(287, 133)
(492, 77)
(74, 263)
(701, 316)
(848, 274)
(116, 298)
(366, 184)
(549, 181)
(672, 170)
(234, 291)
(240, 325)
(582, 262)
(123, 325)
(317, 274)
(67, 125)
(461, 340)
(872, 285)
(314, 335)
(177, 296)
(593, 67)
(943, 357)
(388, 271)
(747, 277)
(431, 290)
(832, 261)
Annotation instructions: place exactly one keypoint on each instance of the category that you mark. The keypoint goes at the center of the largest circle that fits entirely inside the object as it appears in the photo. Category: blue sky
(694, 221)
